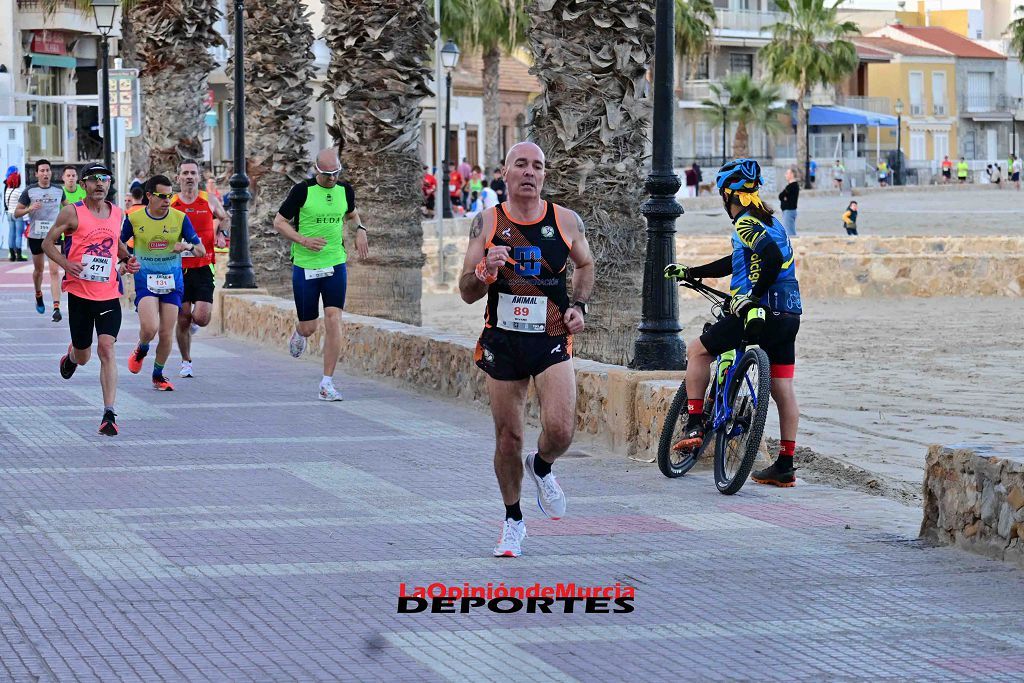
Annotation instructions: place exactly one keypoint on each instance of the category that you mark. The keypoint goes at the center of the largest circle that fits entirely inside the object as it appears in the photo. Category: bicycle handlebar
(698, 286)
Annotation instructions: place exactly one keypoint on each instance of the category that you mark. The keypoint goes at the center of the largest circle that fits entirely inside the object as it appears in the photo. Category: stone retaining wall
(620, 407)
(974, 499)
(844, 267)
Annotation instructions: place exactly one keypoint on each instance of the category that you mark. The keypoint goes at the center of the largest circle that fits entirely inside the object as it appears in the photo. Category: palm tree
(490, 26)
(278, 73)
(695, 20)
(170, 44)
(744, 101)
(592, 120)
(377, 79)
(1015, 32)
(809, 47)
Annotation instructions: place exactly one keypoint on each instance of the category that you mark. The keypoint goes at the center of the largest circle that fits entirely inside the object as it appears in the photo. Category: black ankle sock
(541, 467)
(513, 512)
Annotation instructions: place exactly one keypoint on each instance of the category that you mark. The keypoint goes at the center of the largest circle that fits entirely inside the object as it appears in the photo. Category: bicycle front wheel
(739, 438)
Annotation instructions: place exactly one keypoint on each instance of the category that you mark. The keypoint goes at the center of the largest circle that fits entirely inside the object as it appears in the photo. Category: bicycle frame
(721, 413)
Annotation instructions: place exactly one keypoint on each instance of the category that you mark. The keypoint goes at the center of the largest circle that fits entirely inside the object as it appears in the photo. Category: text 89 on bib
(522, 313)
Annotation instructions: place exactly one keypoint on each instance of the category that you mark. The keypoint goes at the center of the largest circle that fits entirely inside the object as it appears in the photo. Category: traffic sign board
(125, 99)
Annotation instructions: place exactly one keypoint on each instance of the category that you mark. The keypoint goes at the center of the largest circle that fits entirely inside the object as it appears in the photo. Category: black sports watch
(582, 305)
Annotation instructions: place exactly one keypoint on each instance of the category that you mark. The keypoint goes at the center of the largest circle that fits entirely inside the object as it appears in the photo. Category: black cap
(95, 168)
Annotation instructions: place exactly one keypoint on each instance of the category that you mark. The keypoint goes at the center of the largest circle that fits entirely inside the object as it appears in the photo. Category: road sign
(125, 100)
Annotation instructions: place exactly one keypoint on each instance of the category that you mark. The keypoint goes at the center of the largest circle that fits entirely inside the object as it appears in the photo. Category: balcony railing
(696, 90)
(878, 105)
(745, 20)
(37, 5)
(939, 109)
(986, 103)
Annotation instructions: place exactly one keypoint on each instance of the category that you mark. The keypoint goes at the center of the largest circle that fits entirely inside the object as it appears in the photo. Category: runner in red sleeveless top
(209, 219)
(517, 257)
(92, 254)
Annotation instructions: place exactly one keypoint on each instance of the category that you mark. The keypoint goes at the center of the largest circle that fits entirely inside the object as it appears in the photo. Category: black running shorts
(85, 315)
(778, 338)
(514, 356)
(198, 285)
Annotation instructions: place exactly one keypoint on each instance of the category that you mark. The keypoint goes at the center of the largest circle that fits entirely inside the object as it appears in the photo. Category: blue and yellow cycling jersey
(154, 242)
(748, 241)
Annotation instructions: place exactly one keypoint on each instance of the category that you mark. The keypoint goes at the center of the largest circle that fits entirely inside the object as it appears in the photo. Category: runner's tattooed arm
(471, 288)
(582, 259)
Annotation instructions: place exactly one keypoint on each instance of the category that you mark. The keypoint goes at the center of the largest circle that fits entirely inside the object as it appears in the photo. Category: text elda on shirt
(562, 598)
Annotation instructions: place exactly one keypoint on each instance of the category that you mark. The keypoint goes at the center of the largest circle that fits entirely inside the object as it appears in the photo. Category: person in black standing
(787, 202)
(498, 185)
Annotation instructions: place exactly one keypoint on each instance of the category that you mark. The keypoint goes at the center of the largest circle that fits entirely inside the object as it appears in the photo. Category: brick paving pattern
(239, 529)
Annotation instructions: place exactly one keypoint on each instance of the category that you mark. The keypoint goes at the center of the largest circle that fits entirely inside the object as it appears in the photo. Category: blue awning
(834, 115)
(60, 61)
(847, 116)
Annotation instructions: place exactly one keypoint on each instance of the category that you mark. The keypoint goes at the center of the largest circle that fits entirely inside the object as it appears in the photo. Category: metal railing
(877, 105)
(939, 109)
(979, 103)
(745, 20)
(37, 5)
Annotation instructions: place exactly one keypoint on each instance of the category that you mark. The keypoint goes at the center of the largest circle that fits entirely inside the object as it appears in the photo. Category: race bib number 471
(96, 268)
(522, 313)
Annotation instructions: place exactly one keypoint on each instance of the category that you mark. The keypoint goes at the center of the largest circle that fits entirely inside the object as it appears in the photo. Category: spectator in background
(464, 171)
(838, 173)
(15, 226)
(136, 200)
(476, 180)
(429, 192)
(850, 218)
(812, 167)
(788, 201)
(1015, 170)
(883, 172)
(695, 167)
(691, 182)
(963, 169)
(138, 180)
(947, 170)
(455, 183)
(488, 197)
(498, 184)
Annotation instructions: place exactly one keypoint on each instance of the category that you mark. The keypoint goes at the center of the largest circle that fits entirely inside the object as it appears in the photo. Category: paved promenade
(239, 529)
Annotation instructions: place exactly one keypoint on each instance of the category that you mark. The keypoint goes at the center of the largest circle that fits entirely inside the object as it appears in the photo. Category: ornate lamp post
(240, 274)
(449, 60)
(659, 346)
(898, 179)
(104, 12)
(807, 144)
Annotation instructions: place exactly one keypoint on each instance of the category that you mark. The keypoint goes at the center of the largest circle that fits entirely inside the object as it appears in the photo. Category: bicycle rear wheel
(675, 463)
(739, 438)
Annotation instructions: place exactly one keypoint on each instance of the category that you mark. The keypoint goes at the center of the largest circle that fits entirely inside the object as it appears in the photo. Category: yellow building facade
(924, 81)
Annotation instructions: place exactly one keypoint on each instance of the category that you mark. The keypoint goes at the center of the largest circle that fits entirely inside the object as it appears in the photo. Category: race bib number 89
(522, 313)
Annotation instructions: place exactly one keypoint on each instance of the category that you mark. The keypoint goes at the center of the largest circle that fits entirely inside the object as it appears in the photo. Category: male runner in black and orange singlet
(517, 257)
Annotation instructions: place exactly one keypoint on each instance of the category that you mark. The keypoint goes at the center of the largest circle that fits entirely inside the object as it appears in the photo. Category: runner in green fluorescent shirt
(313, 217)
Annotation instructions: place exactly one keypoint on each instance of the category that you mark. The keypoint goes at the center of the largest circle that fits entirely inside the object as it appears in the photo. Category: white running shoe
(186, 369)
(550, 498)
(511, 539)
(193, 329)
(329, 393)
(296, 345)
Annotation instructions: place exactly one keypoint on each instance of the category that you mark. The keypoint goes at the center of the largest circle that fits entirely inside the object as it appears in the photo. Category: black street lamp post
(898, 178)
(807, 104)
(449, 60)
(104, 12)
(659, 346)
(240, 274)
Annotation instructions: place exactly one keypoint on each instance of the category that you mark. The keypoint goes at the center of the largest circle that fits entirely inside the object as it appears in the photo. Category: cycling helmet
(739, 175)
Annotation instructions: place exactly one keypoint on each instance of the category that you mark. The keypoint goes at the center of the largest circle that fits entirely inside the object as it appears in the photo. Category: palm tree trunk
(492, 107)
(172, 49)
(741, 141)
(278, 71)
(376, 81)
(592, 121)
